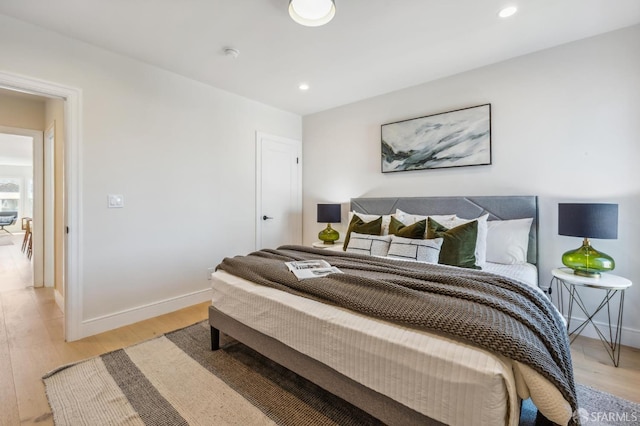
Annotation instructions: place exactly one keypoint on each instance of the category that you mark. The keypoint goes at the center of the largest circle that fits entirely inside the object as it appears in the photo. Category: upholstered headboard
(498, 208)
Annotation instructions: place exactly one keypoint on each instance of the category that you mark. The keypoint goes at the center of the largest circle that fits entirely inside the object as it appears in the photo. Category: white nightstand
(337, 246)
(612, 285)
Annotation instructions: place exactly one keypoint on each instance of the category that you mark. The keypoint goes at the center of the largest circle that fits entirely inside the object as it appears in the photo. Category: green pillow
(459, 245)
(415, 231)
(359, 226)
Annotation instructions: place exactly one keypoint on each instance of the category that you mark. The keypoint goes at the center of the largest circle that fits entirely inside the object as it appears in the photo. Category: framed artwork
(450, 139)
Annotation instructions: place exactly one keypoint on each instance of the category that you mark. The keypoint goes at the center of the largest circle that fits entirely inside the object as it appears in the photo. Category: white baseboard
(104, 323)
(59, 300)
(630, 336)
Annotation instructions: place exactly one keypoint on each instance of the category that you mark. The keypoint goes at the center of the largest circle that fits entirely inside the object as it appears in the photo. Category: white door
(278, 191)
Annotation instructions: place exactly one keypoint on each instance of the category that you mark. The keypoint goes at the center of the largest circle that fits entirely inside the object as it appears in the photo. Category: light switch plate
(115, 201)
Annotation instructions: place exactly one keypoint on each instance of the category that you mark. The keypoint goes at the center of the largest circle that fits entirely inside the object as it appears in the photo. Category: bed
(398, 374)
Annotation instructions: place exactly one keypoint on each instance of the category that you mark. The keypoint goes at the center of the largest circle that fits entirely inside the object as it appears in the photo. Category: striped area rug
(177, 380)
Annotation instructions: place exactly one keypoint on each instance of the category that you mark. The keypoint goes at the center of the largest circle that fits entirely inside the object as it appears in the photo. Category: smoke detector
(230, 51)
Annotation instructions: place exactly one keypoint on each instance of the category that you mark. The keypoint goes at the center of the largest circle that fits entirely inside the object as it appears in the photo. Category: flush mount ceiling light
(312, 13)
(303, 86)
(507, 11)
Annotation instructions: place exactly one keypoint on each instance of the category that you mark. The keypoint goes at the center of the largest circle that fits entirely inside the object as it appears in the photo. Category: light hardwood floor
(31, 344)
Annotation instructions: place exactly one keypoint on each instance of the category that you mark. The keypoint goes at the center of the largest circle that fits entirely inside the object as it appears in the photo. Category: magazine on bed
(304, 269)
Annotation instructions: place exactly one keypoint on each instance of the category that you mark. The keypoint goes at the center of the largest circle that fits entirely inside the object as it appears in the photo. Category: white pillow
(508, 240)
(410, 219)
(481, 239)
(373, 245)
(386, 219)
(412, 249)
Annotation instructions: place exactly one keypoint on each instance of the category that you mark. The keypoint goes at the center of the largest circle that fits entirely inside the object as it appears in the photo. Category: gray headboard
(498, 207)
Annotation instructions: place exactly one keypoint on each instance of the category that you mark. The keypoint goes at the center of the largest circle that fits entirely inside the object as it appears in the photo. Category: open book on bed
(304, 269)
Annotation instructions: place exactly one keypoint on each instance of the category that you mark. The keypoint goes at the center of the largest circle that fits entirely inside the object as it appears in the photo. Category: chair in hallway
(7, 219)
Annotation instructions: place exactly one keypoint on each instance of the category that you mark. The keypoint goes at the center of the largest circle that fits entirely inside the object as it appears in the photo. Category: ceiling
(370, 48)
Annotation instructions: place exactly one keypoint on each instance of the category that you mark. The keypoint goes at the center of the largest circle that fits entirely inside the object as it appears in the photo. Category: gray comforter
(487, 310)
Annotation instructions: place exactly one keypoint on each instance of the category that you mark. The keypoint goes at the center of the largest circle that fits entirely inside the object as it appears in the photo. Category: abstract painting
(449, 139)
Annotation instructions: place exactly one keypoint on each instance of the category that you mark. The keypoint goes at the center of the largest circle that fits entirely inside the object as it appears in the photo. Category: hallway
(29, 317)
(15, 267)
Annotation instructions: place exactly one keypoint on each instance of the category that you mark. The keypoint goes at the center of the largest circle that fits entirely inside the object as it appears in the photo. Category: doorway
(70, 103)
(22, 176)
(16, 176)
(16, 200)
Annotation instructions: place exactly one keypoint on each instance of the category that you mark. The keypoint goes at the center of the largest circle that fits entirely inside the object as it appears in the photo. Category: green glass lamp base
(328, 235)
(588, 262)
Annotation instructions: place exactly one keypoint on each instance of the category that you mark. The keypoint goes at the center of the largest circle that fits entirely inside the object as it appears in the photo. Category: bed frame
(380, 406)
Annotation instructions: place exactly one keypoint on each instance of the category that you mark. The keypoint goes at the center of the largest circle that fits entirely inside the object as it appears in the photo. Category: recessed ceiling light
(507, 11)
(303, 86)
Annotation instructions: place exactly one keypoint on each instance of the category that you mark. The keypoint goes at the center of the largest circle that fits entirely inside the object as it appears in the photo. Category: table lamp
(591, 220)
(329, 213)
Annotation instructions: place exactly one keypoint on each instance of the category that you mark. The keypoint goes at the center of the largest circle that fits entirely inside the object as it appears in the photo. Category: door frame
(48, 202)
(72, 192)
(298, 145)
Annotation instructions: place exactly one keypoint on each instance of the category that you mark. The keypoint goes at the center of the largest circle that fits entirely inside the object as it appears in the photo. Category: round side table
(612, 285)
(337, 246)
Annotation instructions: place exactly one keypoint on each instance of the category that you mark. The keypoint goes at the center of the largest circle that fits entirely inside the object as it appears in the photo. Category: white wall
(565, 126)
(21, 112)
(182, 154)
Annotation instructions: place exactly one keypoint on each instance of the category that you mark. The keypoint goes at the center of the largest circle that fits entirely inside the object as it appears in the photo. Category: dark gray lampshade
(597, 220)
(329, 213)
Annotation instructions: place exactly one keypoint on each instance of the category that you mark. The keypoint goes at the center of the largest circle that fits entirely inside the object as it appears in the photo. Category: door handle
(265, 217)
